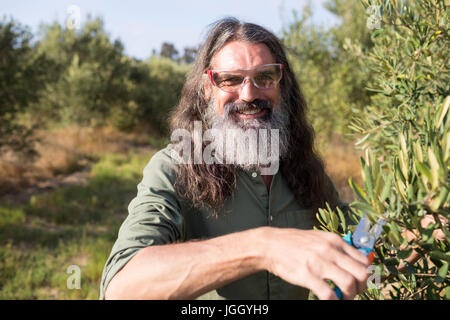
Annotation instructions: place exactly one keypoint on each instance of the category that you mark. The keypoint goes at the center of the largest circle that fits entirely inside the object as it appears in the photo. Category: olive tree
(405, 132)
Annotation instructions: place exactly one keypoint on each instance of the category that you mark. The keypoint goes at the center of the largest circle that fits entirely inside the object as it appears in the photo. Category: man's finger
(346, 282)
(355, 264)
(355, 254)
(321, 289)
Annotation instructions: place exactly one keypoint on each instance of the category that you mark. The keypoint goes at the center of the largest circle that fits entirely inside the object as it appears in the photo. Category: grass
(73, 225)
(64, 151)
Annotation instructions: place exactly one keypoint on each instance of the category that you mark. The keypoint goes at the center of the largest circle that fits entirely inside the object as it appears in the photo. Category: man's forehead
(242, 55)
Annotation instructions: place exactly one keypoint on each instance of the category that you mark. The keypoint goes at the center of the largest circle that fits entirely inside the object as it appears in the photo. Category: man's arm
(187, 270)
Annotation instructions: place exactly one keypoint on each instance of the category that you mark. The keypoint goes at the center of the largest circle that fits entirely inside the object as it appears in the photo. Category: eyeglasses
(264, 77)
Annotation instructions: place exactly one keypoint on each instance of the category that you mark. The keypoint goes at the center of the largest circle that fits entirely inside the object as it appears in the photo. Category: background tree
(168, 50)
(331, 77)
(95, 83)
(90, 75)
(22, 75)
(189, 55)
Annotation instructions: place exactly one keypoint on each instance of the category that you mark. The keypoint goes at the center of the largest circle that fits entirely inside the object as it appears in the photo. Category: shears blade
(366, 235)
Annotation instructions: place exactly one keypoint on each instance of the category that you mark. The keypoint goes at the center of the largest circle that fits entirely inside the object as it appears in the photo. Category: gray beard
(247, 144)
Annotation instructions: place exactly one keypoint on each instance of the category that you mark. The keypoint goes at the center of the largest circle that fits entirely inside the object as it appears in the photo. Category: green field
(71, 225)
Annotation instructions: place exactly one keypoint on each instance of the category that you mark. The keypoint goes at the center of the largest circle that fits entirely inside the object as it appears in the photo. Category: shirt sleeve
(154, 216)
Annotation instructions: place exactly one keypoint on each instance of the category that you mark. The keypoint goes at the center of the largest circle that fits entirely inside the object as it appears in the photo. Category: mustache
(232, 107)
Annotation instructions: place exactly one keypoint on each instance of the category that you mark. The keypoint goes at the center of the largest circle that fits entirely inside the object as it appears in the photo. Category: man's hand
(308, 258)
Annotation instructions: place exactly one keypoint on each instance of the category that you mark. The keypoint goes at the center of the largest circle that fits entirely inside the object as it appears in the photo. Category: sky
(142, 26)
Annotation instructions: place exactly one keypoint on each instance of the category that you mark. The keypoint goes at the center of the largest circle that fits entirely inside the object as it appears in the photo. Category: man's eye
(265, 76)
(264, 80)
(230, 81)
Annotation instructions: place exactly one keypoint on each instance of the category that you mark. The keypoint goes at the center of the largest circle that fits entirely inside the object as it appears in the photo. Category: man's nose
(248, 91)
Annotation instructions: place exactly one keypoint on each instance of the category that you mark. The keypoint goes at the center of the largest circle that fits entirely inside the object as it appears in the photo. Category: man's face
(249, 109)
(243, 55)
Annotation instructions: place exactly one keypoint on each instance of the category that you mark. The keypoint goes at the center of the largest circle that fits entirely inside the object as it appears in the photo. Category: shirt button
(254, 174)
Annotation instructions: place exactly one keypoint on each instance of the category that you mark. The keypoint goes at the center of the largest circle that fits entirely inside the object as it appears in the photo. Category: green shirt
(157, 216)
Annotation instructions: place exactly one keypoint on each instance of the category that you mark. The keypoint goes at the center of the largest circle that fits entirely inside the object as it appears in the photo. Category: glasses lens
(228, 80)
(263, 77)
(267, 77)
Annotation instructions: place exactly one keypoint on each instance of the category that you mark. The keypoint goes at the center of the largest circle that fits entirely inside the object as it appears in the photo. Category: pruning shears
(363, 239)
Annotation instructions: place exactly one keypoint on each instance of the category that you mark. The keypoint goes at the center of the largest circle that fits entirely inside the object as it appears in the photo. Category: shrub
(21, 77)
(405, 131)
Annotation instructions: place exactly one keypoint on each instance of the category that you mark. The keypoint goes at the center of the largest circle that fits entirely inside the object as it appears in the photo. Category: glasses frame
(211, 72)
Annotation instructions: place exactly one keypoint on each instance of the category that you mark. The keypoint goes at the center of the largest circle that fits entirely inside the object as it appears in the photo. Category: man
(233, 229)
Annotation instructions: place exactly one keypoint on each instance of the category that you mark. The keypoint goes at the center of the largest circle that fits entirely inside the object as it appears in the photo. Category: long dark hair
(210, 185)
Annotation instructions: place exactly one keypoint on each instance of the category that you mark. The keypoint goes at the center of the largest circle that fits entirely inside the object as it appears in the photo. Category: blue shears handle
(367, 252)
